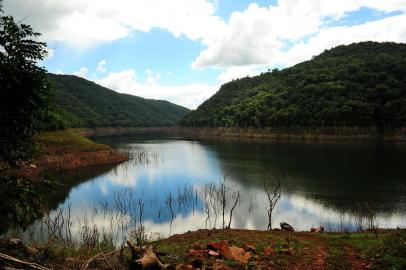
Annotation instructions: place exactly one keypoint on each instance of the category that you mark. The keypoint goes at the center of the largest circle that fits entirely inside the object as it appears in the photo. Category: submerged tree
(24, 89)
(273, 193)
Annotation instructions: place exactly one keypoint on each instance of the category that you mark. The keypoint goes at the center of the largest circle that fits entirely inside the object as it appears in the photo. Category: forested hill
(82, 103)
(363, 85)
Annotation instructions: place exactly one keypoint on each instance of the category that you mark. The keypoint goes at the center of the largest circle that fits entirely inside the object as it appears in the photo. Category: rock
(286, 227)
(198, 246)
(223, 244)
(268, 251)
(196, 257)
(231, 253)
(239, 254)
(249, 247)
(213, 253)
(319, 229)
(222, 247)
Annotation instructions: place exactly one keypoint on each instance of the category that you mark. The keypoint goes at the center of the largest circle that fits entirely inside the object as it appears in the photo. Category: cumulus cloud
(248, 42)
(82, 72)
(236, 72)
(151, 77)
(88, 23)
(126, 81)
(259, 35)
(101, 66)
(50, 54)
(388, 29)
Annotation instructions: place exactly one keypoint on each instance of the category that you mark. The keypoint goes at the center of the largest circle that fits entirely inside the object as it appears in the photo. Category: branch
(32, 265)
(86, 264)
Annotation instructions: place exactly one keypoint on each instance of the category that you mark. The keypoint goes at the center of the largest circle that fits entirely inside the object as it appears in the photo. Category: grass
(66, 141)
(383, 250)
(364, 250)
(178, 245)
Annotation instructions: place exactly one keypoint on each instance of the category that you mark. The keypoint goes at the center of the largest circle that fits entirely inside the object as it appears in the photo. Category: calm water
(339, 185)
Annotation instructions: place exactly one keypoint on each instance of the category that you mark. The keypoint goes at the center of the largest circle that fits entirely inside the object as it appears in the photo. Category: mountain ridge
(82, 103)
(362, 84)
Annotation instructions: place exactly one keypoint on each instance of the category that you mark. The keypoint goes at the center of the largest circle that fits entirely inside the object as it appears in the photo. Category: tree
(24, 89)
(273, 192)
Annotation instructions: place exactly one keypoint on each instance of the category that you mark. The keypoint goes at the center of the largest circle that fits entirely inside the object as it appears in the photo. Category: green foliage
(362, 85)
(24, 90)
(66, 141)
(20, 205)
(392, 253)
(82, 103)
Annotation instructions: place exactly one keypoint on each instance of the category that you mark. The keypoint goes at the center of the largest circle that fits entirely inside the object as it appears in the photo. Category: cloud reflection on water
(176, 164)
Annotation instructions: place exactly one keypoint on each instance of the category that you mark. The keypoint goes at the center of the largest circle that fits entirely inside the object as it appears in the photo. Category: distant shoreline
(328, 134)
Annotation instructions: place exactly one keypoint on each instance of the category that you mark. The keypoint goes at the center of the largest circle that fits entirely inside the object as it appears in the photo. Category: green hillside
(82, 103)
(362, 85)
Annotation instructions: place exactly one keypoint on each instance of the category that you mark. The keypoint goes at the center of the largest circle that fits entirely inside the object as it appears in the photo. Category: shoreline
(224, 249)
(66, 150)
(325, 135)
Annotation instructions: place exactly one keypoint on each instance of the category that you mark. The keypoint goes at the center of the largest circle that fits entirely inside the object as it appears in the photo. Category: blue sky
(183, 50)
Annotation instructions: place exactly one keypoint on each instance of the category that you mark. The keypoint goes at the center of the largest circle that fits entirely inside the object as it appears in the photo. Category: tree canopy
(82, 103)
(24, 90)
(362, 85)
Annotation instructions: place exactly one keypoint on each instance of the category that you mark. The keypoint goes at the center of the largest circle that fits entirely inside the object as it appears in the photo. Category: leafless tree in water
(236, 198)
(273, 193)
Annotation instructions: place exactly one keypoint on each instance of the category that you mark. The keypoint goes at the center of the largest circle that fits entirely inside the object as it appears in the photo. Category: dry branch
(86, 264)
(32, 265)
(145, 257)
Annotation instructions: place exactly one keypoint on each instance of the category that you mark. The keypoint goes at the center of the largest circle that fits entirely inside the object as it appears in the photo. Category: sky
(184, 50)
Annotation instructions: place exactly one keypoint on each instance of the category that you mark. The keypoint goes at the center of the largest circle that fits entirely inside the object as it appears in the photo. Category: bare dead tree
(236, 197)
(223, 197)
(273, 194)
(169, 203)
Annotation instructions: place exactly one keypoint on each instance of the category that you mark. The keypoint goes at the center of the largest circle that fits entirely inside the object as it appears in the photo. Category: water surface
(343, 186)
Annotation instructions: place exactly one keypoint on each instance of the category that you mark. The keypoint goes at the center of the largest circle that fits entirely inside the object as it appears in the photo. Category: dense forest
(359, 85)
(81, 103)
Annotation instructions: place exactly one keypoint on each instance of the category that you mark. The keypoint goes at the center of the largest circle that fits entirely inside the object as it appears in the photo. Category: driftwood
(145, 258)
(32, 265)
(86, 264)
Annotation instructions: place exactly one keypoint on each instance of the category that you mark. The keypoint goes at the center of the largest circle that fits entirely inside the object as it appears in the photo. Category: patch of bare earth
(355, 260)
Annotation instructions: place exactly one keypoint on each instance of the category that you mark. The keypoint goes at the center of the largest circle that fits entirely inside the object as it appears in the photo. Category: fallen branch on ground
(86, 264)
(145, 257)
(30, 264)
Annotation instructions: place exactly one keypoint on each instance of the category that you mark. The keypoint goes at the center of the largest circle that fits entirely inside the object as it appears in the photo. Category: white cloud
(82, 72)
(50, 54)
(258, 35)
(101, 66)
(186, 95)
(246, 43)
(236, 72)
(389, 29)
(151, 77)
(88, 23)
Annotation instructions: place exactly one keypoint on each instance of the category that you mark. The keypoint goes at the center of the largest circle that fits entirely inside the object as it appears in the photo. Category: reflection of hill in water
(53, 197)
(70, 180)
(339, 175)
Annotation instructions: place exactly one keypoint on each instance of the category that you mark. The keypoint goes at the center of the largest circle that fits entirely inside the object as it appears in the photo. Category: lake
(173, 185)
